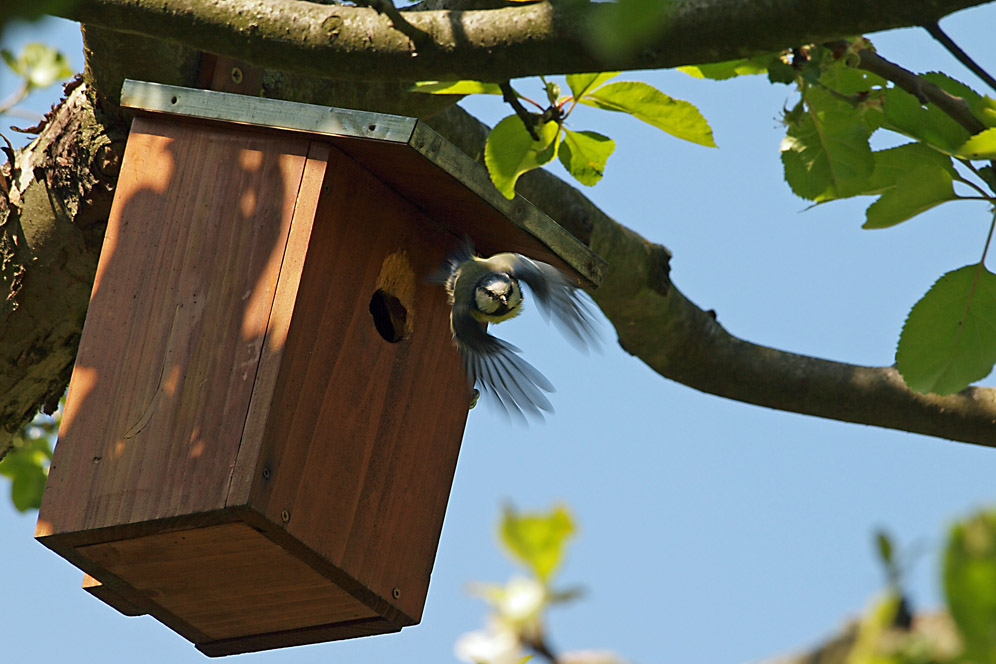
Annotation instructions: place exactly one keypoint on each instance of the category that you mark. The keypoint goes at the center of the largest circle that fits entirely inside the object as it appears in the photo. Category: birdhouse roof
(403, 152)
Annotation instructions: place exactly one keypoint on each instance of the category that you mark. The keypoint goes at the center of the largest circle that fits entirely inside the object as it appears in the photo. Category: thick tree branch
(51, 226)
(45, 243)
(361, 44)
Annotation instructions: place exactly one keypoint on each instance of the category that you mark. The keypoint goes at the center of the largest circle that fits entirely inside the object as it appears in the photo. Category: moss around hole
(389, 315)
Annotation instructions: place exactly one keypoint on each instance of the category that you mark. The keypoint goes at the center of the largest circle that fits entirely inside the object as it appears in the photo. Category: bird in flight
(488, 290)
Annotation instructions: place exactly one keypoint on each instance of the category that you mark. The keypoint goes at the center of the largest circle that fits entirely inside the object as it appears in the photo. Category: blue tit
(487, 290)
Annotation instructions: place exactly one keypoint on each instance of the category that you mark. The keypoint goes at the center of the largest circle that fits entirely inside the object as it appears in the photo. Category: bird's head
(497, 295)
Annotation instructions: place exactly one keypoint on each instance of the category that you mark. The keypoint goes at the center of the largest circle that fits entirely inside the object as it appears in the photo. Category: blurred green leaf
(883, 544)
(581, 84)
(584, 153)
(35, 9)
(510, 151)
(625, 25)
(26, 466)
(970, 585)
(826, 156)
(914, 192)
(719, 71)
(871, 646)
(645, 102)
(456, 88)
(949, 338)
(537, 540)
(38, 64)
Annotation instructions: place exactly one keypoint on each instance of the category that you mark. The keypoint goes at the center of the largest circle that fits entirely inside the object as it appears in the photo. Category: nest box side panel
(360, 448)
(169, 350)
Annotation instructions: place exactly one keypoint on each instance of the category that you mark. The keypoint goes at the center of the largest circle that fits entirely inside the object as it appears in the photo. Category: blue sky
(710, 531)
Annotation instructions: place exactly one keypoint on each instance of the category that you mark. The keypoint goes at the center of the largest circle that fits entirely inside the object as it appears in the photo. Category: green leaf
(849, 80)
(510, 151)
(581, 84)
(904, 114)
(983, 107)
(970, 585)
(949, 338)
(584, 153)
(719, 71)
(914, 192)
(780, 71)
(645, 102)
(980, 146)
(537, 540)
(456, 88)
(40, 65)
(891, 165)
(824, 156)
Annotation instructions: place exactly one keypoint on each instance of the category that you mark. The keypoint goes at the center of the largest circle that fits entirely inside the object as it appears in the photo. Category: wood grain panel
(168, 355)
(347, 630)
(227, 581)
(363, 434)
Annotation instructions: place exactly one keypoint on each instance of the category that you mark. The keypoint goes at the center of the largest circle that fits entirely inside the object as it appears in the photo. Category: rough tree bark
(60, 189)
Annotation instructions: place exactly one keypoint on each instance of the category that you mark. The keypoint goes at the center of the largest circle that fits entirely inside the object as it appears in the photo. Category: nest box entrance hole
(392, 302)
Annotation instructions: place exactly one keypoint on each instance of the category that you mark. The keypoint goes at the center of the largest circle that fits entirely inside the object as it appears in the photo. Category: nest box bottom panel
(235, 589)
(263, 422)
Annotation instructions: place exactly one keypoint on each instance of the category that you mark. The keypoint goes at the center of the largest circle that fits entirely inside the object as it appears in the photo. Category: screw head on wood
(267, 473)
(396, 593)
(285, 516)
(236, 75)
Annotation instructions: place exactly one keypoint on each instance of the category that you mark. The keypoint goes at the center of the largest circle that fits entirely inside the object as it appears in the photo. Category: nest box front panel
(361, 444)
(180, 303)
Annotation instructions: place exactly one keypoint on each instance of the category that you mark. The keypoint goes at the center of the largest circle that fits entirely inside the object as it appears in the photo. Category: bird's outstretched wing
(496, 366)
(559, 299)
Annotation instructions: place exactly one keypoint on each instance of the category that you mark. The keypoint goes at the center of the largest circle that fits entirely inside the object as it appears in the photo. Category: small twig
(13, 100)
(966, 181)
(508, 94)
(962, 57)
(400, 23)
(925, 91)
(539, 646)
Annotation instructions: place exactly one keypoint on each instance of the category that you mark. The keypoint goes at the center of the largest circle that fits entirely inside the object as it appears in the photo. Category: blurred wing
(497, 368)
(557, 296)
(451, 265)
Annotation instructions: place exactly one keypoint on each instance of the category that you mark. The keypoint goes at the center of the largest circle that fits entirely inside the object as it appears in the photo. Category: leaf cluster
(969, 579)
(949, 338)
(525, 141)
(37, 66)
(538, 542)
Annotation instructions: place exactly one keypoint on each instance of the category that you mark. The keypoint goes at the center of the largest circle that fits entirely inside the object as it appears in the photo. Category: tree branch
(962, 57)
(925, 91)
(508, 94)
(360, 44)
(655, 322)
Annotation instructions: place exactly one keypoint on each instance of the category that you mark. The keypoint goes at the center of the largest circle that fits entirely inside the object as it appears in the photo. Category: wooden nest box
(266, 409)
